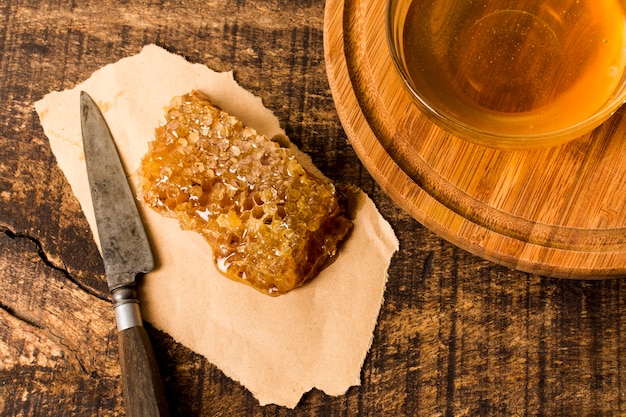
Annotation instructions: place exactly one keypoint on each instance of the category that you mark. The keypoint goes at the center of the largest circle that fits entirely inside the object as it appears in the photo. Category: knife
(126, 253)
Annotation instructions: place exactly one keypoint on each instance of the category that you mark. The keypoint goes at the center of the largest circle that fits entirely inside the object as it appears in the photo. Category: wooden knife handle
(143, 389)
(144, 394)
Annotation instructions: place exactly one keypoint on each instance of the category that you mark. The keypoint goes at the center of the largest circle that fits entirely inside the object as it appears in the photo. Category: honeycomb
(270, 223)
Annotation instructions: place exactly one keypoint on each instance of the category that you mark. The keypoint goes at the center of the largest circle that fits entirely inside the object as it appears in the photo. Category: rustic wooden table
(456, 335)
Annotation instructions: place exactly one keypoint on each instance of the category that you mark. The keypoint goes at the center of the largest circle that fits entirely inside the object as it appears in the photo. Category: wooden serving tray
(557, 211)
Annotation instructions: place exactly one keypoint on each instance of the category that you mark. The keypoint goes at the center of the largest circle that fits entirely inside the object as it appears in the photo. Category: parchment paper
(279, 348)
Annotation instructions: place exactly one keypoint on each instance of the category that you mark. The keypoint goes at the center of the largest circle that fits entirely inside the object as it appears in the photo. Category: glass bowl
(511, 74)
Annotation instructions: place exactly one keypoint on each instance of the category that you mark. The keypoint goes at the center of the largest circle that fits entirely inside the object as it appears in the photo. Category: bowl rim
(487, 137)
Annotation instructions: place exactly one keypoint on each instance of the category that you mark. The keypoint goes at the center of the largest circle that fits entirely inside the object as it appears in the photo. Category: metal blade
(125, 247)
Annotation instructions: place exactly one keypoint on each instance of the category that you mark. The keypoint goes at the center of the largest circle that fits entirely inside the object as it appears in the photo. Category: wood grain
(457, 335)
(144, 394)
(558, 211)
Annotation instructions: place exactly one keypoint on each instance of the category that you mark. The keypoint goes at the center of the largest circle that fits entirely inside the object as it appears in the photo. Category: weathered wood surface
(457, 335)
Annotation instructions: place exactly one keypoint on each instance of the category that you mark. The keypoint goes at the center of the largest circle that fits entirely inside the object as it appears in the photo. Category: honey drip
(270, 223)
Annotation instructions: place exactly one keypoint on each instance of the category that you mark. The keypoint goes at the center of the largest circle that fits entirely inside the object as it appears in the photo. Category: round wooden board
(557, 211)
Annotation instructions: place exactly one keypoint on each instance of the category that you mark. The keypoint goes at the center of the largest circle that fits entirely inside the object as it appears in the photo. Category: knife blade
(126, 253)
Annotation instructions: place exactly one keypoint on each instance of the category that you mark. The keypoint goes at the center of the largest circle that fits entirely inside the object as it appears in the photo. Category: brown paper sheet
(279, 348)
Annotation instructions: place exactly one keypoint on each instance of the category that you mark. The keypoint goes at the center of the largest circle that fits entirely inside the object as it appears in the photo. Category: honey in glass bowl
(512, 74)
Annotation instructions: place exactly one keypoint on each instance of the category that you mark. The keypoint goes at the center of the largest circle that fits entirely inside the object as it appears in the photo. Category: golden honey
(514, 67)
(270, 223)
